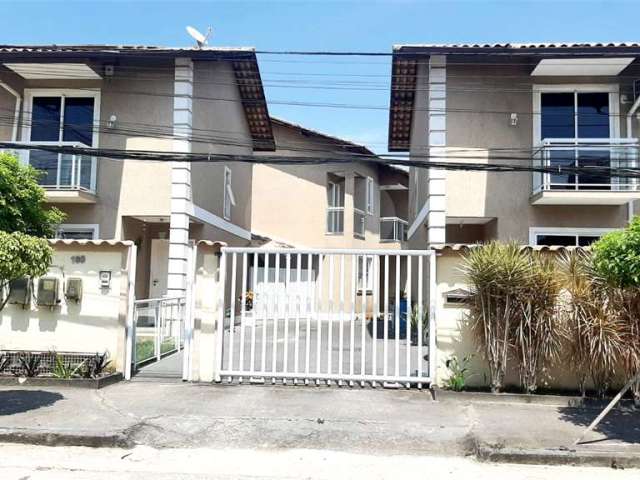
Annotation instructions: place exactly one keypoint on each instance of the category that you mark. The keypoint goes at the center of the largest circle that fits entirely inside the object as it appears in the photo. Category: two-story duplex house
(329, 205)
(542, 105)
(200, 100)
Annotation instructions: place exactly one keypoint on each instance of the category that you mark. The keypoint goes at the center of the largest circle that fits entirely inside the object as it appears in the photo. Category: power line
(147, 155)
(166, 132)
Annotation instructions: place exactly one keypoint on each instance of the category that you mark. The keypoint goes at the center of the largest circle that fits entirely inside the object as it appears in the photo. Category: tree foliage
(22, 256)
(22, 207)
(25, 222)
(616, 256)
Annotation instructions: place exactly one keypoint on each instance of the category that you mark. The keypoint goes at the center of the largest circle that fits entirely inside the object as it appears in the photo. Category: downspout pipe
(630, 114)
(16, 115)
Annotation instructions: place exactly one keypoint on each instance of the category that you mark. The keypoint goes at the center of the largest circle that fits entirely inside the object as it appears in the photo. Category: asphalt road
(25, 462)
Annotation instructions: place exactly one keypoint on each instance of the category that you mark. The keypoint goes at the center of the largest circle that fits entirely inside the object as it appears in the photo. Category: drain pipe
(632, 110)
(16, 116)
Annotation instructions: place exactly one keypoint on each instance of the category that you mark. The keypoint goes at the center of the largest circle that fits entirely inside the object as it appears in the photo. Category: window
(229, 199)
(574, 115)
(62, 119)
(78, 231)
(62, 116)
(370, 196)
(335, 206)
(365, 272)
(586, 112)
(566, 237)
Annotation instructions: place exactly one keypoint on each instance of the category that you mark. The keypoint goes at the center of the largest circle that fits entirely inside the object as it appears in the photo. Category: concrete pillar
(437, 140)
(209, 305)
(349, 202)
(180, 179)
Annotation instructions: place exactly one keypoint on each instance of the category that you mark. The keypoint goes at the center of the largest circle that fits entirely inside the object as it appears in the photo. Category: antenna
(201, 40)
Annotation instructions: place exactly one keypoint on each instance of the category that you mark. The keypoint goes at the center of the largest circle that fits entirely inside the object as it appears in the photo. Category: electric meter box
(73, 290)
(48, 291)
(20, 291)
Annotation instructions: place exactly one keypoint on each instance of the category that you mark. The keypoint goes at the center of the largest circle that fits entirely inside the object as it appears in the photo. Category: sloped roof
(243, 60)
(407, 57)
(333, 141)
(567, 47)
(459, 247)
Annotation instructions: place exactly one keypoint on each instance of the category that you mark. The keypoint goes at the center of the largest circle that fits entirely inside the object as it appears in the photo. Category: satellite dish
(200, 39)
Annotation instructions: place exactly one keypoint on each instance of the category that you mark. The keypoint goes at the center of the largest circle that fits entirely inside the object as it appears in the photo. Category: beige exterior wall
(473, 93)
(454, 337)
(290, 202)
(129, 188)
(225, 130)
(96, 324)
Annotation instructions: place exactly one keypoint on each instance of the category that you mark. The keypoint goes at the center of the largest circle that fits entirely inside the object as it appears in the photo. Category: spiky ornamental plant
(576, 309)
(537, 330)
(597, 333)
(496, 273)
(616, 260)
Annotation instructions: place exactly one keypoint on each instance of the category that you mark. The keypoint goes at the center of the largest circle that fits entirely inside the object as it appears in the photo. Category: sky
(321, 25)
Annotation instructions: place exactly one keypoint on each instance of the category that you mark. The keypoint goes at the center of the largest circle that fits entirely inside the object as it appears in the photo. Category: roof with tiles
(406, 59)
(243, 60)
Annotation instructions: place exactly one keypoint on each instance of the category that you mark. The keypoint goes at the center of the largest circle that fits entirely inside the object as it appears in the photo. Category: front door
(158, 268)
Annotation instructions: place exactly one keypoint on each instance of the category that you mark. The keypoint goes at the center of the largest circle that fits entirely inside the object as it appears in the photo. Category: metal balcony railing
(335, 220)
(62, 171)
(359, 223)
(393, 229)
(604, 155)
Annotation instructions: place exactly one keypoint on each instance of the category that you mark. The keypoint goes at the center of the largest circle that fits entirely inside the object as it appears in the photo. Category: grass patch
(145, 348)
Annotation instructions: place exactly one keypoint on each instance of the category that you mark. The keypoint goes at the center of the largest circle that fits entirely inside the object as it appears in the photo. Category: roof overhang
(406, 59)
(602, 66)
(58, 71)
(30, 60)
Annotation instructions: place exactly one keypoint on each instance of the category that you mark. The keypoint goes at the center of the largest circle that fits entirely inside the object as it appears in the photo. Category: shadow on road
(19, 401)
(621, 424)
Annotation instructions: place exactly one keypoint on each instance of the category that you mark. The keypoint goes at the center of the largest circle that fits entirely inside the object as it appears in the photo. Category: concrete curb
(64, 439)
(558, 457)
(521, 398)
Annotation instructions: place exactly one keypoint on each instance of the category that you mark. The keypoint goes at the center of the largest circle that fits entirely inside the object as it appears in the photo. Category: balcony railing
(604, 154)
(359, 223)
(335, 220)
(62, 171)
(393, 229)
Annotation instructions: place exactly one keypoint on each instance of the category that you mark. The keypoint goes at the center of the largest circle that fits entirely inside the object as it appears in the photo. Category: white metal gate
(159, 329)
(334, 316)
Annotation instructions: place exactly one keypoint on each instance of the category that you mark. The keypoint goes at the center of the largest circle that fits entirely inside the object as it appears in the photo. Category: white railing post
(222, 276)
(432, 318)
(158, 330)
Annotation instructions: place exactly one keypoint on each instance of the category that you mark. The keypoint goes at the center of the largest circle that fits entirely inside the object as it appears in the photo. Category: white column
(180, 179)
(437, 136)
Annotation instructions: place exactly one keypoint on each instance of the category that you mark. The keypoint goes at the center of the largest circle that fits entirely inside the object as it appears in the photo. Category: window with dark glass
(47, 115)
(558, 115)
(566, 240)
(45, 119)
(78, 120)
(62, 119)
(574, 116)
(562, 240)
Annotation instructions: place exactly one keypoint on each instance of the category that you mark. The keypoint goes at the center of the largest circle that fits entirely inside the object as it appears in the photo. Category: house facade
(329, 205)
(546, 106)
(200, 100)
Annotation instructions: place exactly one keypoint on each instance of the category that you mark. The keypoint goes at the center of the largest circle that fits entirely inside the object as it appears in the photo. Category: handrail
(395, 219)
(75, 170)
(152, 300)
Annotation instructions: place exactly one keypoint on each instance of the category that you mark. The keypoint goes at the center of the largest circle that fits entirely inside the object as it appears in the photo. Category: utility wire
(424, 162)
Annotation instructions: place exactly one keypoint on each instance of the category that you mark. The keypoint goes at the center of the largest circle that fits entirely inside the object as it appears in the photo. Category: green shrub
(459, 372)
(616, 256)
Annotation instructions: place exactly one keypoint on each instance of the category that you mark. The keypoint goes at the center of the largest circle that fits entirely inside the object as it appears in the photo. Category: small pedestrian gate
(158, 329)
(335, 316)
